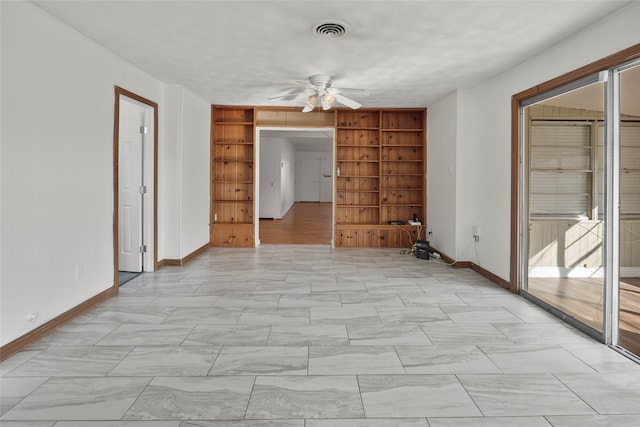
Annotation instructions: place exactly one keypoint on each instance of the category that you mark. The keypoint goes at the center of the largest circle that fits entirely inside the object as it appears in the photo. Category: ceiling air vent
(331, 30)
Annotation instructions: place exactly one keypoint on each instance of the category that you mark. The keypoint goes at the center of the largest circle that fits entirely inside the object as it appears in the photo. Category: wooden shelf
(382, 158)
(222, 123)
(232, 176)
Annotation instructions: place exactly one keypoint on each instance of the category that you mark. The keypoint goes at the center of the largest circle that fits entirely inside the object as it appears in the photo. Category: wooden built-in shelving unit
(380, 155)
(232, 176)
(380, 173)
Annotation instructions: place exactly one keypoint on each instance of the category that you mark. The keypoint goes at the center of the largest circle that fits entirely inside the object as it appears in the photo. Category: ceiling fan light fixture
(311, 103)
(327, 101)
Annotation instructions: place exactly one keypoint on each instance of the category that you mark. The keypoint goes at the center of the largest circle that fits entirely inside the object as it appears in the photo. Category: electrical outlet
(476, 234)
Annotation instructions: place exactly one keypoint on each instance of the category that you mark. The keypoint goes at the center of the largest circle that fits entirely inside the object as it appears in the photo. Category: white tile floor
(308, 336)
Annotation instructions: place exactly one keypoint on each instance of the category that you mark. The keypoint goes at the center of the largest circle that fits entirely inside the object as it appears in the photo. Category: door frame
(256, 188)
(518, 228)
(152, 246)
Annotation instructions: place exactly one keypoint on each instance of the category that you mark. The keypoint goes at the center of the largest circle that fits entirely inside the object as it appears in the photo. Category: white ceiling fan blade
(348, 91)
(346, 101)
(289, 96)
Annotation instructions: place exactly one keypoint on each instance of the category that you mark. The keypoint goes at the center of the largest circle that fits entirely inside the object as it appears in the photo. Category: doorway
(135, 182)
(294, 204)
(580, 202)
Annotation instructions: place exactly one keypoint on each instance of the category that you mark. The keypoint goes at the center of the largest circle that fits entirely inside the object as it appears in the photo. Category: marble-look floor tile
(325, 317)
(279, 288)
(345, 315)
(245, 423)
(490, 422)
(608, 393)
(543, 333)
(305, 397)
(29, 423)
(522, 395)
(414, 396)
(432, 299)
(184, 301)
(524, 359)
(308, 335)
(594, 420)
(261, 361)
(335, 286)
(228, 335)
(193, 398)
(167, 361)
(412, 315)
(13, 390)
(299, 301)
(127, 334)
(72, 361)
(369, 422)
(93, 398)
(444, 334)
(349, 360)
(128, 299)
(77, 335)
(445, 360)
(460, 314)
(11, 363)
(118, 424)
(133, 314)
(204, 315)
(387, 334)
(245, 301)
(373, 300)
(602, 358)
(391, 288)
(274, 316)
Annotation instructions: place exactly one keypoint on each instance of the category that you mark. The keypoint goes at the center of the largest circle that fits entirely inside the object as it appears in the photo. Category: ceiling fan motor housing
(320, 81)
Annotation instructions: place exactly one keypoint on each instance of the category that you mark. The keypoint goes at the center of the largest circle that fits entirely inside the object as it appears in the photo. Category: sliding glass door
(628, 171)
(580, 199)
(564, 205)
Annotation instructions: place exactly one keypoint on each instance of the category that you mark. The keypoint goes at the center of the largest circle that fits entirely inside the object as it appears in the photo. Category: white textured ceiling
(405, 53)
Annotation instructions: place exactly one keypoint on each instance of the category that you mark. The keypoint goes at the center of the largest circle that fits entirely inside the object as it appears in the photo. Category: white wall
(277, 179)
(287, 177)
(194, 191)
(270, 185)
(441, 174)
(483, 163)
(57, 116)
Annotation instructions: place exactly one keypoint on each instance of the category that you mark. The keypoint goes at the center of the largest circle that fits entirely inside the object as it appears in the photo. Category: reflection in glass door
(629, 210)
(563, 204)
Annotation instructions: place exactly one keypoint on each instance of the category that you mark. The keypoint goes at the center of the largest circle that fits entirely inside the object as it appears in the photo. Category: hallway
(306, 223)
(309, 336)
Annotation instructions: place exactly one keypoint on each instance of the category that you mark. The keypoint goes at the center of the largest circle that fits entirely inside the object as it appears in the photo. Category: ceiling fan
(320, 91)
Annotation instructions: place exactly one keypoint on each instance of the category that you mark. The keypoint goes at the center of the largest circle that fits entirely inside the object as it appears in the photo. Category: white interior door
(130, 173)
(309, 185)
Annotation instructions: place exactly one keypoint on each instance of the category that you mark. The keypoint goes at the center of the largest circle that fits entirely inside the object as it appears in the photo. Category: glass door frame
(613, 125)
(607, 70)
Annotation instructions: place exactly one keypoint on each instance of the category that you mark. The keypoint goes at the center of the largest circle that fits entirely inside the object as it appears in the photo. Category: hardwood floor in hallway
(306, 223)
